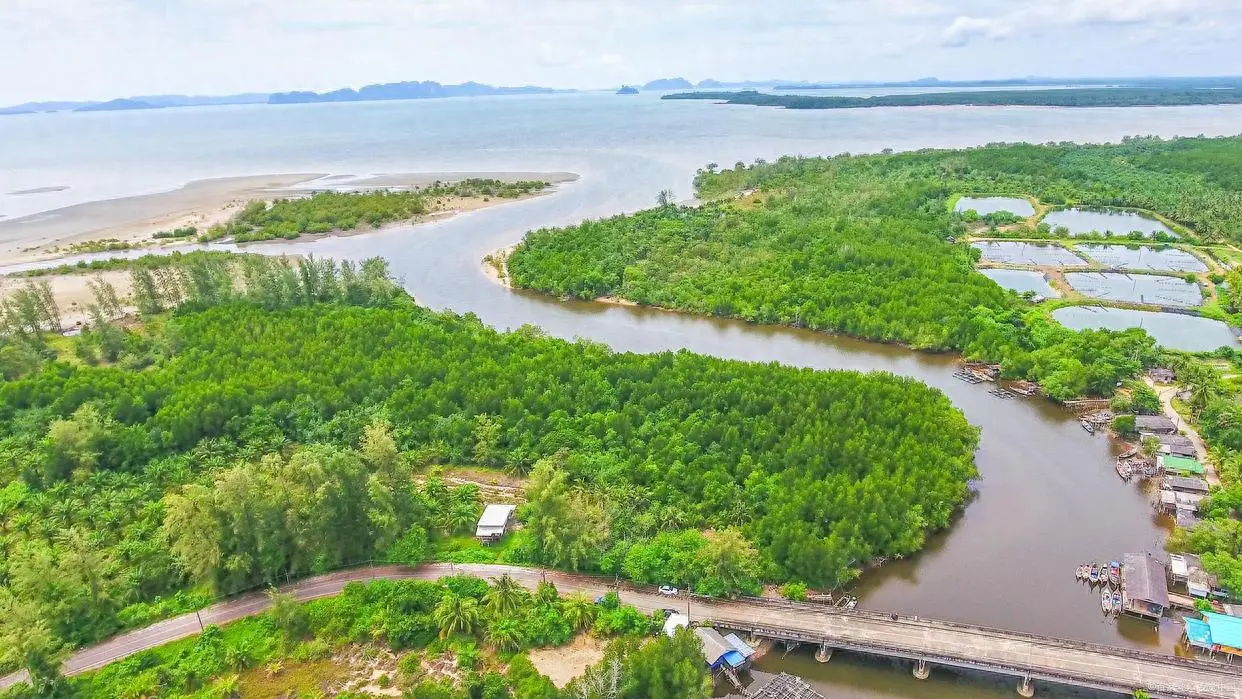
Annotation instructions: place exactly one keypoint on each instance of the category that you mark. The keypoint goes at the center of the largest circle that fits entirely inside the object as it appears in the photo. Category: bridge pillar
(824, 654)
(1026, 688)
(922, 670)
(753, 639)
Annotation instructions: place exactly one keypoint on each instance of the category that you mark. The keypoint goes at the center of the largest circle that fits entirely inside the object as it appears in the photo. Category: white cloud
(1037, 17)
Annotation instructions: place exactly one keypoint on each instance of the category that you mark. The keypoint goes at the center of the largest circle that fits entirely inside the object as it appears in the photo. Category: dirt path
(1167, 393)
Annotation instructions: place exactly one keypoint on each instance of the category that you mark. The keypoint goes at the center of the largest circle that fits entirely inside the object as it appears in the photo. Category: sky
(102, 49)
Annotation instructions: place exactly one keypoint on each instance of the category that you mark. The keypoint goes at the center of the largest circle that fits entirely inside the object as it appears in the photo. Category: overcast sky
(99, 49)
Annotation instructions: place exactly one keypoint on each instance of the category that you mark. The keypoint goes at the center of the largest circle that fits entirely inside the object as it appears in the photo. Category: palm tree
(505, 596)
(456, 614)
(505, 635)
(458, 516)
(547, 593)
(579, 611)
(227, 687)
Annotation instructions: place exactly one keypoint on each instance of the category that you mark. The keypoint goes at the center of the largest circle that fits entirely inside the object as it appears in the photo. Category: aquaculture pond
(991, 205)
(1136, 288)
(1120, 223)
(1144, 257)
(1172, 330)
(1017, 253)
(1021, 281)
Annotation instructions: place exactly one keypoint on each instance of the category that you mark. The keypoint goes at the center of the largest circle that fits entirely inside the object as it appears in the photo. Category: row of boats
(1100, 573)
(1109, 576)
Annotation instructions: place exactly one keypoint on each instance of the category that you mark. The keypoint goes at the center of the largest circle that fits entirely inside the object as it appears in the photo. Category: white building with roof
(494, 523)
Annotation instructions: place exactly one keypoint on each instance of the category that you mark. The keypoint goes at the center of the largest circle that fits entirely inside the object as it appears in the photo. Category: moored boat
(1094, 574)
(1117, 601)
(1087, 426)
(1114, 572)
(1106, 601)
(1080, 573)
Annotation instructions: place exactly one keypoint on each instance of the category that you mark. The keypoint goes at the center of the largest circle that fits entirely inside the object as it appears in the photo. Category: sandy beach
(204, 203)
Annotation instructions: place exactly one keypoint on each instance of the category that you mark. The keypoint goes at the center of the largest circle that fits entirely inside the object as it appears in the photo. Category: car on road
(669, 612)
(668, 590)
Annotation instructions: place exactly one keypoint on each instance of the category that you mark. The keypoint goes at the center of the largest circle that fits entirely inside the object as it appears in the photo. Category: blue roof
(1226, 630)
(1198, 633)
(734, 659)
(741, 646)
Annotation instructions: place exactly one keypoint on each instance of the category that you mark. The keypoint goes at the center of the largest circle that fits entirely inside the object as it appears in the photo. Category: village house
(1144, 591)
(494, 523)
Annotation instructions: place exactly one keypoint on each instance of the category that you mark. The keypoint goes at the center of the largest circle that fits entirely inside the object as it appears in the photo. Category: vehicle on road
(668, 591)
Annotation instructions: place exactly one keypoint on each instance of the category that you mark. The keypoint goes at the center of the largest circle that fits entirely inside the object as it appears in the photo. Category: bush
(1124, 425)
(795, 591)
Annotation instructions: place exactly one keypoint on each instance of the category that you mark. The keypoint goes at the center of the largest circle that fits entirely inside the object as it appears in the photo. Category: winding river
(1048, 498)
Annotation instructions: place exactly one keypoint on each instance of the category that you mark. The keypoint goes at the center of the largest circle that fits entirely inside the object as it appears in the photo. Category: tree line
(1071, 97)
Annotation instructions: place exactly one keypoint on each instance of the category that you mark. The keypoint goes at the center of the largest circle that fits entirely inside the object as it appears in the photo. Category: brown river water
(1047, 498)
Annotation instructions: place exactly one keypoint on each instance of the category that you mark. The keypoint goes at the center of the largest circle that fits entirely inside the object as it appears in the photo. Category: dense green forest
(325, 212)
(866, 246)
(274, 423)
(1070, 97)
(456, 639)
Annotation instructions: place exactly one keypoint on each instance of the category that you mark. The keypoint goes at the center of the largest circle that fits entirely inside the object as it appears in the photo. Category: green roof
(1182, 464)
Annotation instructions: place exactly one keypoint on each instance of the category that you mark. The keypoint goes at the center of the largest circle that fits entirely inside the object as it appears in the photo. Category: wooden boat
(1106, 601)
(1124, 470)
(1117, 601)
(1114, 573)
(1081, 573)
(1087, 426)
(1094, 574)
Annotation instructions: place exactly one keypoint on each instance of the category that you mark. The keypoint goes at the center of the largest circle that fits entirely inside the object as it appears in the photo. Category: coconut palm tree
(227, 687)
(505, 596)
(547, 593)
(579, 611)
(505, 635)
(456, 614)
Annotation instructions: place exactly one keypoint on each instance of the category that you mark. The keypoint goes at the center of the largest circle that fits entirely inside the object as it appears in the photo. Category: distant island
(627, 90)
(121, 105)
(1072, 97)
(665, 84)
(406, 91)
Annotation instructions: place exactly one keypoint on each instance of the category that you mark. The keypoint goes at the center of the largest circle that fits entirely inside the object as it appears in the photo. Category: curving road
(1069, 662)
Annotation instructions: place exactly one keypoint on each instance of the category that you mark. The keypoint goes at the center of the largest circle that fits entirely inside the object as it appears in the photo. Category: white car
(668, 591)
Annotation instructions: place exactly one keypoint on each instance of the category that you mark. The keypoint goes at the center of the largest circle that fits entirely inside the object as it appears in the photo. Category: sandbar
(204, 203)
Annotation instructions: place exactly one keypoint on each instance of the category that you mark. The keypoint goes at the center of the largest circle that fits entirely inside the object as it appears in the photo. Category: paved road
(1071, 662)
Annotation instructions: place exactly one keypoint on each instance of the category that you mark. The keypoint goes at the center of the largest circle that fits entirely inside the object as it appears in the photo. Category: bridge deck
(1069, 662)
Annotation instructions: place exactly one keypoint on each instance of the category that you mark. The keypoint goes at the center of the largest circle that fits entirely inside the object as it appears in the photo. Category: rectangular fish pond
(1018, 253)
(1022, 281)
(1143, 257)
(1136, 288)
(1119, 223)
(991, 205)
(1171, 330)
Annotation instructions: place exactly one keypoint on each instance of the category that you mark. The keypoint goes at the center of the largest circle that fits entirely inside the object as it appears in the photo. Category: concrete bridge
(925, 642)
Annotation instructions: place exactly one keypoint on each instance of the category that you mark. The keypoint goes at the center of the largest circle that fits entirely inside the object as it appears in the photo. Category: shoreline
(133, 220)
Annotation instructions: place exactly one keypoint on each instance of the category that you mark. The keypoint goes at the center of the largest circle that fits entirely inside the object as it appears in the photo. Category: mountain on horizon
(668, 84)
(427, 89)
(121, 105)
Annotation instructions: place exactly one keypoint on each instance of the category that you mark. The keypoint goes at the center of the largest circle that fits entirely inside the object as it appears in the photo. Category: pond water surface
(1137, 288)
(1021, 281)
(1172, 330)
(1017, 253)
(1144, 257)
(991, 205)
(1121, 223)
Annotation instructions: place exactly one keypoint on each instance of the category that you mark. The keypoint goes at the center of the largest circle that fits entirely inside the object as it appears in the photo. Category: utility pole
(199, 616)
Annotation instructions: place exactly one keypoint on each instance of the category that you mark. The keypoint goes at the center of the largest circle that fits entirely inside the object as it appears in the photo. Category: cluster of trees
(455, 618)
(325, 212)
(1173, 96)
(270, 442)
(861, 245)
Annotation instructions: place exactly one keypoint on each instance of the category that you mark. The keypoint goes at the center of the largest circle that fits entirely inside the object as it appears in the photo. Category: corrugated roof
(1154, 423)
(1144, 579)
(1170, 439)
(1190, 485)
(714, 645)
(1198, 633)
(1226, 630)
(1181, 464)
(496, 515)
(742, 646)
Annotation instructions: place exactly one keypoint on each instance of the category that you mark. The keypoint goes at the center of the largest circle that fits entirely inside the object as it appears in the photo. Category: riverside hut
(1224, 633)
(1182, 484)
(1155, 424)
(719, 653)
(1180, 465)
(1144, 590)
